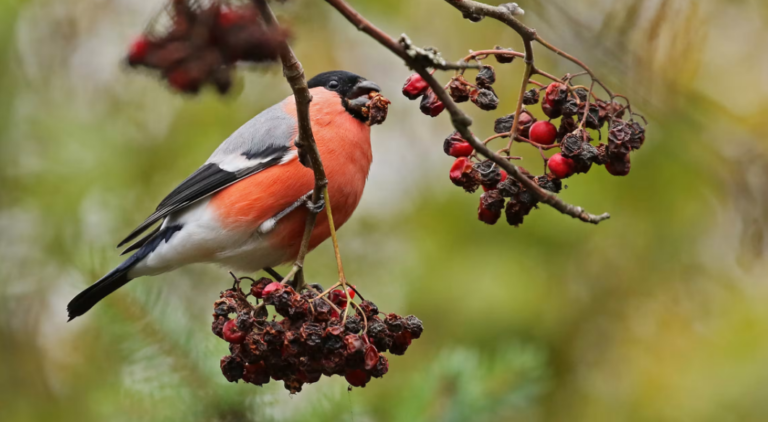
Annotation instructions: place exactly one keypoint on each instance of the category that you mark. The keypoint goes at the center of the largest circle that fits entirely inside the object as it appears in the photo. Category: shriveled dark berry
(414, 326)
(490, 174)
(354, 324)
(333, 338)
(553, 185)
(430, 104)
(369, 308)
(582, 94)
(484, 98)
(504, 124)
(459, 89)
(395, 323)
(572, 144)
(217, 327)
(618, 165)
(637, 138)
(465, 175)
(486, 76)
(570, 108)
(224, 307)
(359, 377)
(232, 368)
(531, 97)
(509, 188)
(381, 367)
(312, 334)
(257, 287)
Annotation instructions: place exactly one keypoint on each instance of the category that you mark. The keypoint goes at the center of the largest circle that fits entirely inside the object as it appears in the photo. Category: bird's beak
(362, 88)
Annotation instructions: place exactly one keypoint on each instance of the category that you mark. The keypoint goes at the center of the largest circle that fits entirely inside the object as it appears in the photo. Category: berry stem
(523, 87)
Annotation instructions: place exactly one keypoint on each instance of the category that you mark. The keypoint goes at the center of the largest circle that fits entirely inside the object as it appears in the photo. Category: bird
(242, 209)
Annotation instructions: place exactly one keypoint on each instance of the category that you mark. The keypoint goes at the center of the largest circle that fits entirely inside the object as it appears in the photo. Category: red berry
(138, 50)
(543, 133)
(488, 216)
(232, 334)
(431, 105)
(415, 86)
(456, 146)
(338, 298)
(560, 166)
(357, 377)
(459, 167)
(271, 287)
(183, 81)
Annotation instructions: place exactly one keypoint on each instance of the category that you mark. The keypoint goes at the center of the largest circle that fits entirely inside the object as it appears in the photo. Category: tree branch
(305, 143)
(462, 122)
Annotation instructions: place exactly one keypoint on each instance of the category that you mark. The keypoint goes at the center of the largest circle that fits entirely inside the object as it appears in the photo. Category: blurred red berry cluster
(193, 44)
(319, 333)
(579, 111)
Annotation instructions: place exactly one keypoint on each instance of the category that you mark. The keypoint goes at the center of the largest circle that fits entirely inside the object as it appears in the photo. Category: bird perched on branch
(244, 208)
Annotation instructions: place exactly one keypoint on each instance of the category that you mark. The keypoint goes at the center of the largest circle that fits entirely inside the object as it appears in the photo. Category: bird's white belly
(202, 239)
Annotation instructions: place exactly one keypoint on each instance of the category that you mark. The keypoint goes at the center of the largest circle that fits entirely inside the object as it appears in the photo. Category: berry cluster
(192, 44)
(320, 333)
(579, 111)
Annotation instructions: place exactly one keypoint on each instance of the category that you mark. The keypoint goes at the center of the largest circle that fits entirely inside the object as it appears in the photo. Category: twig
(305, 143)
(462, 122)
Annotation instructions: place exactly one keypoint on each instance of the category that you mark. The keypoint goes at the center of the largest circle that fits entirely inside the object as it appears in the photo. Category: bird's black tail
(118, 277)
(84, 301)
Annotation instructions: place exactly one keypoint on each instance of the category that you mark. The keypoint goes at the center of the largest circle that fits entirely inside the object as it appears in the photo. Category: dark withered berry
(244, 321)
(484, 98)
(486, 76)
(618, 165)
(224, 307)
(333, 338)
(322, 310)
(504, 58)
(504, 124)
(490, 174)
(217, 327)
(567, 125)
(526, 197)
(551, 112)
(595, 116)
(582, 94)
(378, 334)
(516, 212)
(414, 326)
(637, 138)
(553, 185)
(232, 368)
(459, 89)
(312, 334)
(430, 104)
(394, 322)
(400, 343)
(509, 188)
(369, 308)
(570, 108)
(273, 333)
(354, 324)
(531, 97)
(256, 374)
(572, 144)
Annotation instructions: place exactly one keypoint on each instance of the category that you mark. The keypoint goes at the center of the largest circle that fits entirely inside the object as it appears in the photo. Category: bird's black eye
(333, 84)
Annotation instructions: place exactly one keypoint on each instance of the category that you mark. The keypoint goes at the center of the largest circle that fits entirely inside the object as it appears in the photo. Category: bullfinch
(243, 208)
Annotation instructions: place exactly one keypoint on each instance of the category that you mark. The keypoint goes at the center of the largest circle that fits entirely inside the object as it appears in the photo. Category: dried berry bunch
(579, 111)
(193, 43)
(319, 333)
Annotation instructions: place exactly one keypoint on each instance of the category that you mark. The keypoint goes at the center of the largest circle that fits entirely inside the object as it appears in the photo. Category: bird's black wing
(207, 180)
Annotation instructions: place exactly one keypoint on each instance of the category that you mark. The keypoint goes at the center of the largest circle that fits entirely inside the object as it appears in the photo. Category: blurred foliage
(655, 315)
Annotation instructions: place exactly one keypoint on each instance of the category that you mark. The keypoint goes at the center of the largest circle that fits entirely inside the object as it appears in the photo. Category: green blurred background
(658, 314)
